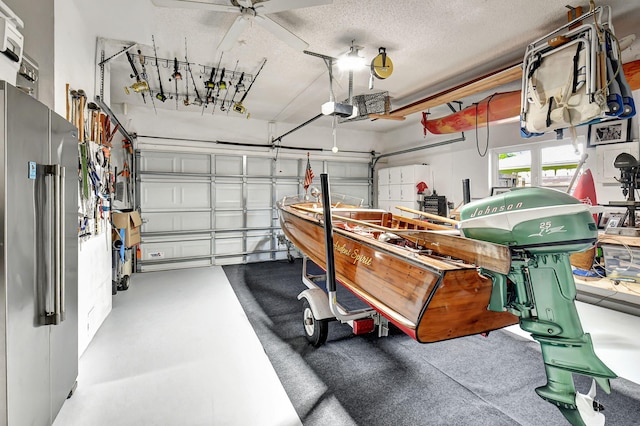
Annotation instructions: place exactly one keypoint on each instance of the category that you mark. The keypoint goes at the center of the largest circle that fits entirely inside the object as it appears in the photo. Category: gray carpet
(366, 380)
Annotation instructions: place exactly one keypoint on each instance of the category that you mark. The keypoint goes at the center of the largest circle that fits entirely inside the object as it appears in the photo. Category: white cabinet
(397, 186)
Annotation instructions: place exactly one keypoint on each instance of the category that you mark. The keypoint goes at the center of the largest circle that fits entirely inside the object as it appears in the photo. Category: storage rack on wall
(94, 154)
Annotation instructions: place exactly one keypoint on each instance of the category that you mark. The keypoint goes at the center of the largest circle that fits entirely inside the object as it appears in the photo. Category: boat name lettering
(342, 249)
(357, 257)
(496, 209)
(353, 254)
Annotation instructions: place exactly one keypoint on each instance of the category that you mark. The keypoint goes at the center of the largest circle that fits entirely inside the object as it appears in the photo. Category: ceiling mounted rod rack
(195, 68)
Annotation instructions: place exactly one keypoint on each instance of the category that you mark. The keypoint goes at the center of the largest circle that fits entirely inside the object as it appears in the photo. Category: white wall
(37, 16)
(455, 162)
(78, 24)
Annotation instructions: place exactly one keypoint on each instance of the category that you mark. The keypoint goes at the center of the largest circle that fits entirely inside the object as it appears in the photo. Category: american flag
(308, 176)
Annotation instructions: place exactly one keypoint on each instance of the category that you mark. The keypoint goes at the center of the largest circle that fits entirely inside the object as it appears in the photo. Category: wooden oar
(494, 257)
(428, 215)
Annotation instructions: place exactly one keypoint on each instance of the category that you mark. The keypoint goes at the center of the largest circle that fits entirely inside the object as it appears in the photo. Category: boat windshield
(337, 200)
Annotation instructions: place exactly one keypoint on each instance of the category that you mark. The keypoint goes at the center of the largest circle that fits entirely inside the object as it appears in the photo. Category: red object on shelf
(586, 191)
(421, 187)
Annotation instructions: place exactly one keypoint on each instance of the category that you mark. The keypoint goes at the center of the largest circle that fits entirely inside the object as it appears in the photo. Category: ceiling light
(352, 61)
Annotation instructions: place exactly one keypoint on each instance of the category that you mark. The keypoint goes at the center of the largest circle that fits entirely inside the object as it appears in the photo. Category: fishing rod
(227, 92)
(238, 107)
(221, 85)
(197, 101)
(239, 86)
(211, 84)
(139, 86)
(186, 87)
(145, 77)
(176, 76)
(161, 96)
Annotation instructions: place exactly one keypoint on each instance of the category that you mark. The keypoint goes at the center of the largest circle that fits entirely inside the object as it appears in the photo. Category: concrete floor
(177, 349)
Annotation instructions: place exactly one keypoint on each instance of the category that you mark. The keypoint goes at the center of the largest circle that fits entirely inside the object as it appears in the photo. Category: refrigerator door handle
(58, 314)
(60, 258)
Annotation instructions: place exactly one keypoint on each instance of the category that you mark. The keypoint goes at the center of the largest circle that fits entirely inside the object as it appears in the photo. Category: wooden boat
(409, 280)
(512, 265)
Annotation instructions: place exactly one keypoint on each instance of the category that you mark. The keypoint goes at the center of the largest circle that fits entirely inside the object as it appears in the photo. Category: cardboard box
(130, 222)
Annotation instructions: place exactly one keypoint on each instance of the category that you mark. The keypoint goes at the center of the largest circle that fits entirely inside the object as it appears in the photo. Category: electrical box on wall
(11, 44)
(28, 74)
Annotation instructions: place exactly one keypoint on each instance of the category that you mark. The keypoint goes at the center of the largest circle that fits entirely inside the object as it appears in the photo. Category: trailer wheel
(315, 330)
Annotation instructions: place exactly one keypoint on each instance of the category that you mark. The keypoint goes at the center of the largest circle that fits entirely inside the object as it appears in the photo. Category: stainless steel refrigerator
(39, 260)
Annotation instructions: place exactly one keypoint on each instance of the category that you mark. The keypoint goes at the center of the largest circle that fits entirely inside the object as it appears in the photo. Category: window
(549, 164)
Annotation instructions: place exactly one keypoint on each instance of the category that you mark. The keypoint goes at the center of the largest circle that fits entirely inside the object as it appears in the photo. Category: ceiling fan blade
(245, 3)
(275, 6)
(190, 4)
(282, 33)
(233, 33)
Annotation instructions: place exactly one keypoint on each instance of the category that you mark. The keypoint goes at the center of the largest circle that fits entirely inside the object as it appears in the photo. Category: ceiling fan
(250, 11)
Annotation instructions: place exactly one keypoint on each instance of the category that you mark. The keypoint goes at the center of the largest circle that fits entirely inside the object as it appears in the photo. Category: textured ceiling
(434, 45)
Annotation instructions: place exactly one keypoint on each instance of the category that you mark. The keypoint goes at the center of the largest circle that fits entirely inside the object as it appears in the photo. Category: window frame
(536, 157)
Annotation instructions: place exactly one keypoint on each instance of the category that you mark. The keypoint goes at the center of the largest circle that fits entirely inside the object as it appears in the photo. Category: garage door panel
(175, 162)
(257, 166)
(259, 219)
(184, 264)
(286, 167)
(175, 195)
(225, 246)
(286, 189)
(229, 220)
(175, 249)
(171, 221)
(348, 170)
(228, 165)
(228, 195)
(258, 195)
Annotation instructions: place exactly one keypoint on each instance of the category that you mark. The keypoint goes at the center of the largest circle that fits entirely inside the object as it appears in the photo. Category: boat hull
(428, 299)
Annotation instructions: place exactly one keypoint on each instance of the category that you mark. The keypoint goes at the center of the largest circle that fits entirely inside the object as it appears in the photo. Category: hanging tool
(227, 92)
(161, 96)
(239, 86)
(176, 76)
(140, 86)
(238, 107)
(381, 66)
(145, 76)
(81, 104)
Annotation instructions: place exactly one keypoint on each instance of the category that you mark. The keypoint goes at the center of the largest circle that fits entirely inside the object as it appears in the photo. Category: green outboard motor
(543, 227)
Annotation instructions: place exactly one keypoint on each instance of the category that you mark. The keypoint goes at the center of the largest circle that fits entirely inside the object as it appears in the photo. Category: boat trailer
(320, 307)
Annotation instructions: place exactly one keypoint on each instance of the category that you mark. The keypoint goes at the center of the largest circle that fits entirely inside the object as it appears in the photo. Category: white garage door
(215, 209)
